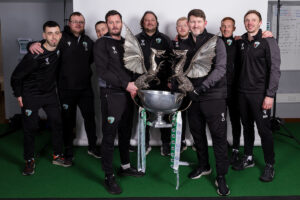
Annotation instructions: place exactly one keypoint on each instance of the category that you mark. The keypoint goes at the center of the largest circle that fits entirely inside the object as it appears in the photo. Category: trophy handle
(140, 95)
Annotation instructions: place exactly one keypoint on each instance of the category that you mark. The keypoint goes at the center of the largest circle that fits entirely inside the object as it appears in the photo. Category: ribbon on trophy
(141, 140)
(176, 132)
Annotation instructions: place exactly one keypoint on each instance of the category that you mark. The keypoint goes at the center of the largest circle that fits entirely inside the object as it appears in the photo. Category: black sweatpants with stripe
(251, 111)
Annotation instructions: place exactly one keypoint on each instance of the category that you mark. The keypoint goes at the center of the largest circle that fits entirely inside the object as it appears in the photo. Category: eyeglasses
(78, 22)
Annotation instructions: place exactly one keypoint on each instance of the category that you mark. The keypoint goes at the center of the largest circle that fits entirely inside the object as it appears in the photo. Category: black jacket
(215, 82)
(157, 41)
(109, 63)
(35, 75)
(76, 59)
(231, 50)
(259, 70)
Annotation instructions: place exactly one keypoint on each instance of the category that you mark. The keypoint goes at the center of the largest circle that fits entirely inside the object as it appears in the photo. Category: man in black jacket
(149, 38)
(259, 75)
(74, 83)
(208, 103)
(116, 103)
(34, 84)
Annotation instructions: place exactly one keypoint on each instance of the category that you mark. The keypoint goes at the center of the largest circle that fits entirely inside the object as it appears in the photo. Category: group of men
(244, 77)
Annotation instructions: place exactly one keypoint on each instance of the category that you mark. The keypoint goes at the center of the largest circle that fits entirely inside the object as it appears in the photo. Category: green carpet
(85, 178)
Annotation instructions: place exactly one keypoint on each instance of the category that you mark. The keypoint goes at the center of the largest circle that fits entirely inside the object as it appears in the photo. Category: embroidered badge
(242, 47)
(177, 44)
(158, 40)
(85, 45)
(65, 106)
(69, 43)
(114, 50)
(265, 114)
(110, 119)
(143, 43)
(28, 112)
(47, 61)
(229, 42)
(256, 44)
(58, 52)
(223, 117)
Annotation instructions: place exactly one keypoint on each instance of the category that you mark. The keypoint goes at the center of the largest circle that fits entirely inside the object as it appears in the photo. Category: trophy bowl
(160, 103)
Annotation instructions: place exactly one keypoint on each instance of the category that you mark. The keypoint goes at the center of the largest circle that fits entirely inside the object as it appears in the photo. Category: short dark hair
(197, 13)
(100, 22)
(75, 14)
(112, 12)
(228, 18)
(253, 12)
(50, 24)
(142, 20)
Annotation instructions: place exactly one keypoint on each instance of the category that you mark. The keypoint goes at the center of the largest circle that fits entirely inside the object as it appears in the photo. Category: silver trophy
(160, 103)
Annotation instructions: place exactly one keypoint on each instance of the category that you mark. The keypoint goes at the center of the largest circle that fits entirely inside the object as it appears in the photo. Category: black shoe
(243, 164)
(95, 152)
(198, 172)
(165, 150)
(234, 157)
(111, 185)
(183, 146)
(130, 172)
(61, 161)
(268, 174)
(223, 189)
(29, 168)
(132, 148)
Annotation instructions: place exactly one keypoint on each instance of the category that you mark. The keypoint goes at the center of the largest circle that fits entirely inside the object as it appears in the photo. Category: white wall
(168, 11)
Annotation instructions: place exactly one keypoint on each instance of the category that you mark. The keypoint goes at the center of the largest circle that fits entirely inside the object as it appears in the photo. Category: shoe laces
(268, 169)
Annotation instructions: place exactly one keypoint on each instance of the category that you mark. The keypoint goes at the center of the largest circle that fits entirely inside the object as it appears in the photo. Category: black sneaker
(183, 146)
(223, 189)
(268, 174)
(243, 164)
(111, 185)
(132, 148)
(130, 172)
(29, 168)
(148, 149)
(61, 161)
(234, 157)
(198, 172)
(165, 150)
(95, 152)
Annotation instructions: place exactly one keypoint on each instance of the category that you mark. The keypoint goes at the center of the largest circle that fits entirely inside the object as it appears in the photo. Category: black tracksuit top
(108, 56)
(76, 58)
(36, 74)
(215, 81)
(259, 70)
(157, 41)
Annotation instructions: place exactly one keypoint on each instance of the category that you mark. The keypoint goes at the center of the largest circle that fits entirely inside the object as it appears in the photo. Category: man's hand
(132, 89)
(36, 48)
(267, 34)
(268, 103)
(20, 101)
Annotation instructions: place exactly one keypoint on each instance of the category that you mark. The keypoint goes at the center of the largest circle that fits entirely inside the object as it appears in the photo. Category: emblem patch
(58, 52)
(47, 61)
(229, 42)
(242, 47)
(143, 43)
(265, 114)
(114, 49)
(69, 43)
(65, 106)
(110, 119)
(223, 117)
(28, 112)
(256, 44)
(85, 45)
(158, 40)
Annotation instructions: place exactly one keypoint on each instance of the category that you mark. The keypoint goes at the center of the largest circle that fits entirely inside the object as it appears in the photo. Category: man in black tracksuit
(227, 28)
(149, 38)
(74, 84)
(208, 103)
(34, 84)
(116, 103)
(259, 75)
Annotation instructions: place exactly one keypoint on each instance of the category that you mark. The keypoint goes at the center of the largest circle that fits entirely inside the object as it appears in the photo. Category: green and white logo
(110, 119)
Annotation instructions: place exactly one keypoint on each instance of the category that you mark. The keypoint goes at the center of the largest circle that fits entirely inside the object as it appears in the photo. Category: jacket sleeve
(101, 59)
(273, 57)
(23, 69)
(219, 66)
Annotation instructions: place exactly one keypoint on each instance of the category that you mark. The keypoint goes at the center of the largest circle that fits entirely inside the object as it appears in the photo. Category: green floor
(84, 179)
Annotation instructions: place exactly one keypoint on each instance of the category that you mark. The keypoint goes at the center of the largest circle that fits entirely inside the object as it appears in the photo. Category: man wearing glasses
(74, 82)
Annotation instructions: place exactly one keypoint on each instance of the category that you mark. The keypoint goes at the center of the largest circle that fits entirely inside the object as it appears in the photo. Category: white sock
(249, 157)
(127, 166)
